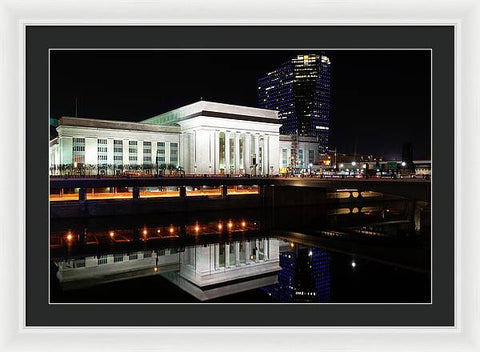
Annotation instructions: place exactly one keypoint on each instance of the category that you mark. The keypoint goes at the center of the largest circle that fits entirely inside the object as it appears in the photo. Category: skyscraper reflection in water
(305, 275)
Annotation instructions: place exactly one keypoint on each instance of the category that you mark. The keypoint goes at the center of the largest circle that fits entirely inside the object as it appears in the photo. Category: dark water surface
(375, 252)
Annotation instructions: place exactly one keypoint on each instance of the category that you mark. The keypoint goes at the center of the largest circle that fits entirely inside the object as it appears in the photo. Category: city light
(292, 245)
(404, 163)
(197, 228)
(145, 232)
(155, 269)
(354, 163)
(112, 234)
(341, 165)
(230, 225)
(220, 226)
(158, 230)
(310, 253)
(171, 229)
(244, 223)
(354, 264)
(69, 237)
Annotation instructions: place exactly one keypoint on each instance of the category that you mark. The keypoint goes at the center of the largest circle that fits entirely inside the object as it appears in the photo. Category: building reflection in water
(205, 271)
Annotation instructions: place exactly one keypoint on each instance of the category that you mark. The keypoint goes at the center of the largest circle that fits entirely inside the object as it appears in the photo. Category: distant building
(203, 137)
(300, 91)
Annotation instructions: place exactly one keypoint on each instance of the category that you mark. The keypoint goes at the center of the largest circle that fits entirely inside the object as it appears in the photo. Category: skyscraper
(300, 90)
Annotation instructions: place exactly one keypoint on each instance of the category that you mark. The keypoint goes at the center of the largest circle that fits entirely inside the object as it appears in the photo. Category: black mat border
(38, 41)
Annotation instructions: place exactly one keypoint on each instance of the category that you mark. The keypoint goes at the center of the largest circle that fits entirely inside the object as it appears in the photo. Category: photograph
(240, 176)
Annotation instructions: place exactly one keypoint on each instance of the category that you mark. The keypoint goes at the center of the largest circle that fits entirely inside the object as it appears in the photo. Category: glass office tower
(300, 90)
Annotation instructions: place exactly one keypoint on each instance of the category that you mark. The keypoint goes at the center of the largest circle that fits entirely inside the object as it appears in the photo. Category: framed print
(254, 199)
(199, 177)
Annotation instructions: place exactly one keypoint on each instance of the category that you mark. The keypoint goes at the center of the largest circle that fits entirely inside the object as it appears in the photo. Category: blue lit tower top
(300, 90)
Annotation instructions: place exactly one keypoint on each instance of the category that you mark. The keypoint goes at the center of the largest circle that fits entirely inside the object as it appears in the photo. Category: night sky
(380, 99)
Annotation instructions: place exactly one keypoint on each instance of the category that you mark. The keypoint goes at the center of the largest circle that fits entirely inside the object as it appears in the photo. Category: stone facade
(203, 137)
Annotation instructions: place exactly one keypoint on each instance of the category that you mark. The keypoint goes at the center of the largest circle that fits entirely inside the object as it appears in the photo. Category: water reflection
(282, 255)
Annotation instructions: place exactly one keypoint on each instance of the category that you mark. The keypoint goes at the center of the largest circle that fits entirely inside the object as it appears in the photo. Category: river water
(372, 252)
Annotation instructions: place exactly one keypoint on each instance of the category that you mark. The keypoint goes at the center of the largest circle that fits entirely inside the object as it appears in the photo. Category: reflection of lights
(112, 234)
(292, 245)
(155, 269)
(354, 264)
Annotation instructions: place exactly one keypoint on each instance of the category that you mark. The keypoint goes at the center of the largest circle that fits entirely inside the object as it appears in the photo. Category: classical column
(237, 153)
(211, 146)
(265, 158)
(227, 153)
(216, 165)
(227, 255)
(125, 153)
(217, 256)
(246, 153)
(154, 157)
(237, 253)
(247, 252)
(110, 151)
(255, 141)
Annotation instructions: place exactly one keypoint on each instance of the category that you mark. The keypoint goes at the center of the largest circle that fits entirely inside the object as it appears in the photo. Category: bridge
(415, 189)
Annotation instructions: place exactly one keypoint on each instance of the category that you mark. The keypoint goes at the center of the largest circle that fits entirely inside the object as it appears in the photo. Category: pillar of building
(125, 153)
(227, 255)
(237, 253)
(91, 151)
(140, 153)
(216, 166)
(256, 155)
(224, 191)
(154, 156)
(217, 256)
(110, 152)
(246, 153)
(211, 145)
(247, 252)
(227, 153)
(237, 153)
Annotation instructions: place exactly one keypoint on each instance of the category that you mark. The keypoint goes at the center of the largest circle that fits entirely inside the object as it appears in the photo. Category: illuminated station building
(201, 138)
(299, 90)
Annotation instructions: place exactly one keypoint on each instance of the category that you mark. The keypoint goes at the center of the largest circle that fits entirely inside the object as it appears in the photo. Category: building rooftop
(212, 109)
(119, 125)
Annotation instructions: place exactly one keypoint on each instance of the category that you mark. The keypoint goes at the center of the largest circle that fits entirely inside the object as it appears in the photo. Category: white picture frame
(15, 15)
